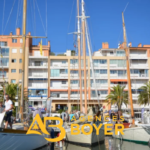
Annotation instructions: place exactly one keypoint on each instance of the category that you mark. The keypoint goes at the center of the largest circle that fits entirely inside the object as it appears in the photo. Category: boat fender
(52, 133)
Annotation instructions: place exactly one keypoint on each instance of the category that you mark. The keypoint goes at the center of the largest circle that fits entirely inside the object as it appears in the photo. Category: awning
(118, 80)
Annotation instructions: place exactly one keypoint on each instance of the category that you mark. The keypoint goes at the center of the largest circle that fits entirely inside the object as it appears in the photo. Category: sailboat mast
(23, 54)
(84, 55)
(79, 55)
(128, 67)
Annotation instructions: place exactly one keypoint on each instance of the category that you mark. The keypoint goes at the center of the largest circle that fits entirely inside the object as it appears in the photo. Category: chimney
(10, 33)
(18, 31)
(140, 45)
(29, 33)
(48, 43)
(105, 45)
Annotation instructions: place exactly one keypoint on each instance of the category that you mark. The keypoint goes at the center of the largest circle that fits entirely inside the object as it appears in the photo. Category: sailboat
(16, 139)
(134, 134)
(82, 139)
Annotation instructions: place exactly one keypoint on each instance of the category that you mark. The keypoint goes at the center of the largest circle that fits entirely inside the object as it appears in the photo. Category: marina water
(109, 144)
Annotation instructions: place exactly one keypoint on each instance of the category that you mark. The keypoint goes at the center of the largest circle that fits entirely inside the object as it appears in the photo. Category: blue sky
(105, 21)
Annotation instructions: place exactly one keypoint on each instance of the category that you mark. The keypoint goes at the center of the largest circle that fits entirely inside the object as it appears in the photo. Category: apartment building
(109, 67)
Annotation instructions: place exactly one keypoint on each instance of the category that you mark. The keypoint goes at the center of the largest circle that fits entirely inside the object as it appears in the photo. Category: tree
(73, 52)
(52, 54)
(1, 96)
(13, 92)
(61, 55)
(144, 96)
(117, 96)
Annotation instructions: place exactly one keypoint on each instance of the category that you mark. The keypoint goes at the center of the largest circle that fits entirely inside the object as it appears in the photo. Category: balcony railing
(38, 75)
(4, 64)
(37, 64)
(37, 55)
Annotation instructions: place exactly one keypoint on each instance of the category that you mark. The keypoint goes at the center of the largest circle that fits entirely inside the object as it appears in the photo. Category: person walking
(37, 111)
(66, 116)
(8, 110)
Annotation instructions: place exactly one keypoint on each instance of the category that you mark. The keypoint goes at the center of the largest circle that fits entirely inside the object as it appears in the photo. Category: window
(13, 81)
(113, 71)
(103, 61)
(14, 40)
(20, 60)
(102, 81)
(111, 53)
(2, 73)
(74, 72)
(134, 71)
(119, 63)
(63, 82)
(64, 71)
(14, 50)
(55, 72)
(74, 92)
(38, 93)
(20, 70)
(121, 72)
(13, 70)
(74, 81)
(63, 62)
(20, 40)
(5, 51)
(120, 53)
(104, 71)
(73, 61)
(13, 60)
(38, 63)
(4, 61)
(3, 43)
(20, 50)
(103, 92)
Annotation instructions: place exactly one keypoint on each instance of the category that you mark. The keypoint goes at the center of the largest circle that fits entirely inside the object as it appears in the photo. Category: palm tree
(11, 90)
(117, 96)
(143, 98)
(1, 95)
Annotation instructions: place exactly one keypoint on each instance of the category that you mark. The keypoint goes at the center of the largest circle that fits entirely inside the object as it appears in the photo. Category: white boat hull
(13, 141)
(136, 134)
(85, 140)
(128, 146)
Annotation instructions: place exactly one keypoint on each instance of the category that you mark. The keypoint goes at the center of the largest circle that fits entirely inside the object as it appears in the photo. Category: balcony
(38, 65)
(59, 76)
(101, 97)
(62, 86)
(37, 55)
(100, 76)
(4, 65)
(59, 65)
(139, 76)
(100, 66)
(77, 96)
(138, 56)
(38, 75)
(59, 96)
(37, 85)
(99, 86)
(137, 66)
(3, 79)
(135, 96)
